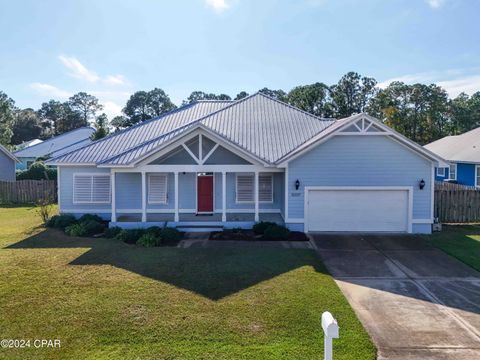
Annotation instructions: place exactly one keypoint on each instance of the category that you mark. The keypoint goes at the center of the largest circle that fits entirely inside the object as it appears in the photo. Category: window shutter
(157, 189)
(245, 188)
(91, 188)
(101, 189)
(265, 188)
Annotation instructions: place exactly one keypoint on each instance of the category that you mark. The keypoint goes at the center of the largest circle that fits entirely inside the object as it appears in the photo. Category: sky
(110, 49)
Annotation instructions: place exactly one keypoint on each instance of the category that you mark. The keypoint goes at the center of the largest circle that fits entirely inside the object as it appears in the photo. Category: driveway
(415, 301)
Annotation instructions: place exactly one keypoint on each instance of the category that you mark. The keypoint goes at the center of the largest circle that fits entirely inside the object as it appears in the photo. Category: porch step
(199, 228)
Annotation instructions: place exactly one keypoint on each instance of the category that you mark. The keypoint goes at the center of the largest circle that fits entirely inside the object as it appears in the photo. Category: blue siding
(360, 161)
(22, 165)
(466, 174)
(442, 178)
(128, 190)
(66, 190)
(7, 167)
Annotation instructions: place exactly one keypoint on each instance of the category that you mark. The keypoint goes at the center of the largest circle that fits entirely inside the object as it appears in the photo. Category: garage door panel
(358, 210)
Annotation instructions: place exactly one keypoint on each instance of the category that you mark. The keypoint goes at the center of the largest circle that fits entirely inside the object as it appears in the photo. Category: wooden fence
(457, 203)
(27, 191)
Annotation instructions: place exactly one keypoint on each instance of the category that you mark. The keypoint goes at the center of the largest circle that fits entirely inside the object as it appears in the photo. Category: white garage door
(357, 210)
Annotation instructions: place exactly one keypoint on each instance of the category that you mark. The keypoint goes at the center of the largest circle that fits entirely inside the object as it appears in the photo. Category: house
(229, 164)
(7, 165)
(463, 154)
(26, 144)
(54, 146)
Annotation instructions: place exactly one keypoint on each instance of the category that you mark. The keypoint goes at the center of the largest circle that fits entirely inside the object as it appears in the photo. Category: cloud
(112, 109)
(78, 70)
(217, 5)
(50, 90)
(453, 81)
(435, 4)
(115, 80)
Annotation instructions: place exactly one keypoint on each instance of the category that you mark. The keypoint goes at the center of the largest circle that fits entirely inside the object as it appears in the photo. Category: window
(29, 163)
(477, 178)
(157, 189)
(245, 188)
(441, 172)
(452, 172)
(91, 188)
(265, 188)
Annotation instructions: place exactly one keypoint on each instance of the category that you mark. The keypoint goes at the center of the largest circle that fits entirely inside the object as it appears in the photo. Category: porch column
(144, 198)
(177, 217)
(114, 207)
(224, 196)
(255, 187)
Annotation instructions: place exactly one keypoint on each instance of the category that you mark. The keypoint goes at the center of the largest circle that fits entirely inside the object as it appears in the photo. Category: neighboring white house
(54, 146)
(7, 165)
(233, 163)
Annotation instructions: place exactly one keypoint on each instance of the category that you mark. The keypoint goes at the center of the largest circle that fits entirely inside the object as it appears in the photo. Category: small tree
(45, 207)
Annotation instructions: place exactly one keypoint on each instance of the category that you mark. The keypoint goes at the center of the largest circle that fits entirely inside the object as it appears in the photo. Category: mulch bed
(248, 235)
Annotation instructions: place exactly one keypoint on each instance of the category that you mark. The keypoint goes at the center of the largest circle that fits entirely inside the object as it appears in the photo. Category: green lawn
(462, 242)
(105, 299)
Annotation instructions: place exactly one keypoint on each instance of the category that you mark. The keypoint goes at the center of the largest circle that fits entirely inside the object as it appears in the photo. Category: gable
(198, 150)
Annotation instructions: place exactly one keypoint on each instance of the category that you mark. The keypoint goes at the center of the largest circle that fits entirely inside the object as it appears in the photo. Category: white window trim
(92, 175)
(438, 173)
(271, 188)
(166, 189)
(253, 191)
(450, 172)
(477, 170)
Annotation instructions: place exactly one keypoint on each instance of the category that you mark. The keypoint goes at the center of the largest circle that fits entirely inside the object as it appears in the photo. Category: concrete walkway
(415, 301)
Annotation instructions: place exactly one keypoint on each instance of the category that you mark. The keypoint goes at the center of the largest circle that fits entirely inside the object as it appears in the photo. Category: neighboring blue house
(216, 164)
(7, 165)
(463, 154)
(54, 146)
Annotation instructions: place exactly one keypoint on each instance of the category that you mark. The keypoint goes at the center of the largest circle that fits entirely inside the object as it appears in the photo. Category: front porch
(189, 220)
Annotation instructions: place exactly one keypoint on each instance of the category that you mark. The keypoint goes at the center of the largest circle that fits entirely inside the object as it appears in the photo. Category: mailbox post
(330, 329)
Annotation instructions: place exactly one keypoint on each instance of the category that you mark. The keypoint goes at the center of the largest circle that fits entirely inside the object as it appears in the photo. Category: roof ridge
(176, 129)
(293, 107)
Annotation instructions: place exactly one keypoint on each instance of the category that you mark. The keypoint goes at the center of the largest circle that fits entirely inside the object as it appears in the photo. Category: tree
(314, 98)
(58, 118)
(7, 107)
(200, 95)
(86, 104)
(352, 94)
(26, 126)
(101, 127)
(241, 95)
(144, 105)
(276, 94)
(119, 122)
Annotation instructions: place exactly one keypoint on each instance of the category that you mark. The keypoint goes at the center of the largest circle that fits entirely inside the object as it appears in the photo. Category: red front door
(205, 193)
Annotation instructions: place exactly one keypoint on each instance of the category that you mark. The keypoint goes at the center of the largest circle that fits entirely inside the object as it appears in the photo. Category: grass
(462, 242)
(106, 299)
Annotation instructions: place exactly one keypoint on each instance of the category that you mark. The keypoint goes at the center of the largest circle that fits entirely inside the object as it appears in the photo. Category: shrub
(37, 171)
(112, 232)
(89, 217)
(61, 221)
(75, 230)
(169, 234)
(276, 232)
(154, 230)
(85, 228)
(44, 209)
(148, 240)
(130, 236)
(259, 228)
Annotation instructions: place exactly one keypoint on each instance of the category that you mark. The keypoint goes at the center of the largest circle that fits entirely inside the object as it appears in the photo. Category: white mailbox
(330, 329)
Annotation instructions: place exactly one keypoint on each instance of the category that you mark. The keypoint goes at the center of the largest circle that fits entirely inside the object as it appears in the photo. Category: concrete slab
(429, 354)
(341, 242)
(431, 263)
(398, 314)
(360, 264)
(398, 242)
